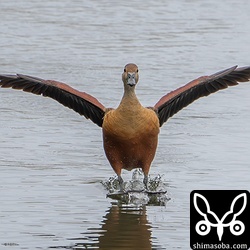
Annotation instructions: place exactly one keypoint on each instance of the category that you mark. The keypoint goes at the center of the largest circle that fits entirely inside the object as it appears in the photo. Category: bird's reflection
(126, 227)
(123, 227)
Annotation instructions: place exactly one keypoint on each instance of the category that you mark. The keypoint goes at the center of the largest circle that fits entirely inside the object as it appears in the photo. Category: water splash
(134, 190)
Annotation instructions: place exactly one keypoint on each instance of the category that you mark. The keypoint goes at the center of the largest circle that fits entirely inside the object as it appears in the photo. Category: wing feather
(176, 100)
(81, 102)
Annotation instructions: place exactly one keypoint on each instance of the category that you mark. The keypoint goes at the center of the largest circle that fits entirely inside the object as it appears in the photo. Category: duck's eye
(124, 69)
(137, 70)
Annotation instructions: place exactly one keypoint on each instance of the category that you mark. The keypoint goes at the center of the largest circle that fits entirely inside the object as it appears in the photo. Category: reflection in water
(123, 227)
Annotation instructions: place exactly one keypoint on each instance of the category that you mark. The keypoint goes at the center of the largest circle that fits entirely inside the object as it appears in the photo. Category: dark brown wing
(81, 102)
(174, 101)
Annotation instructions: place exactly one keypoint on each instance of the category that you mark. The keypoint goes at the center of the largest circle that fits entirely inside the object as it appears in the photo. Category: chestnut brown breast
(130, 136)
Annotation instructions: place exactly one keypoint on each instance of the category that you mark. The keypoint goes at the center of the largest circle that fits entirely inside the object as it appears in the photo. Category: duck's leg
(145, 181)
(121, 183)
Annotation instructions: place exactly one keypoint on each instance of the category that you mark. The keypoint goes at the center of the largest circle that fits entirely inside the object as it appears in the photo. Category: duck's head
(130, 76)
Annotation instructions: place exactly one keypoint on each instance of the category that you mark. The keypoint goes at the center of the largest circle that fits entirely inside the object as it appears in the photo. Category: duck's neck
(129, 100)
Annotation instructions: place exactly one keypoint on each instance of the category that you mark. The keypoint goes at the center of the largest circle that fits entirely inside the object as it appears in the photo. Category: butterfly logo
(203, 227)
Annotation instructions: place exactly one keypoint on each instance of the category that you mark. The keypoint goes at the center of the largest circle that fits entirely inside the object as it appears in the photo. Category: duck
(130, 131)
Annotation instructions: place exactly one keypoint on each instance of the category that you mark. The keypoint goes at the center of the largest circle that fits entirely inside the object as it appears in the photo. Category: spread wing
(176, 100)
(81, 102)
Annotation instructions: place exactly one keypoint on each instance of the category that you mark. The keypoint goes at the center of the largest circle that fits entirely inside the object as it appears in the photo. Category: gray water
(51, 159)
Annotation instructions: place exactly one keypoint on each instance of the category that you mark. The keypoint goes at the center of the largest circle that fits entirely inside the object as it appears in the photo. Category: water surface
(51, 159)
